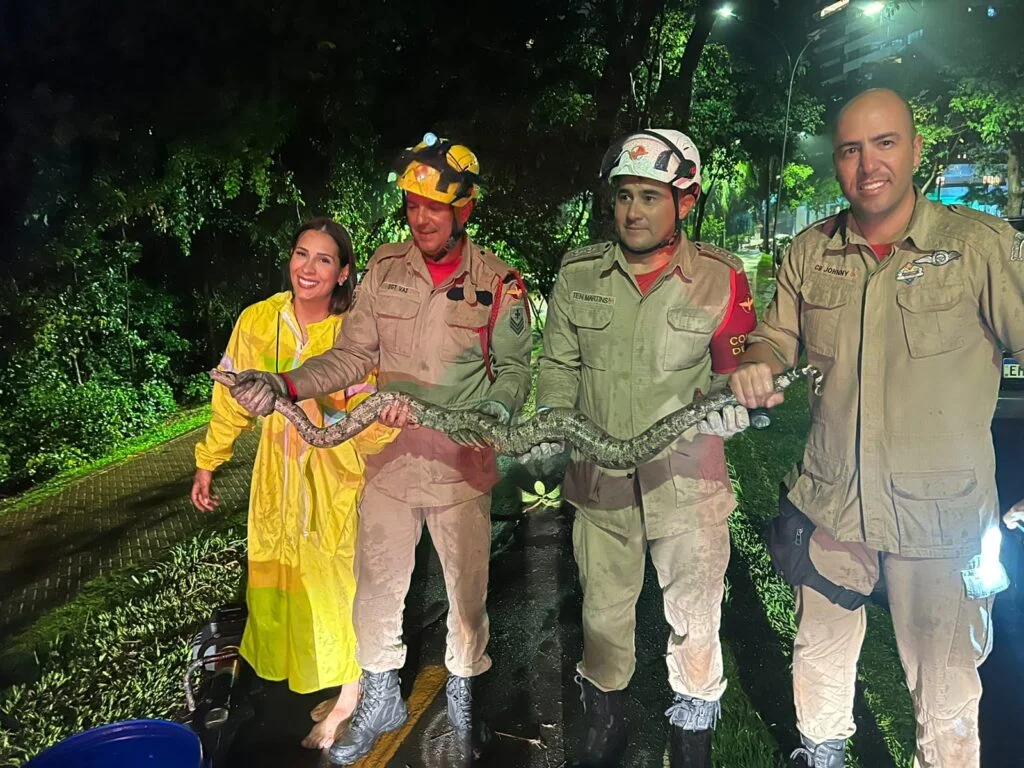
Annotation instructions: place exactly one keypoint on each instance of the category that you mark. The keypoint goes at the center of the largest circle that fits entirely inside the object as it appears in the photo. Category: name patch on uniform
(396, 287)
(592, 298)
(1017, 249)
(828, 270)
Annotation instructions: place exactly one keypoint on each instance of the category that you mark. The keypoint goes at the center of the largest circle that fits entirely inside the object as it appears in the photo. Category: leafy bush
(56, 426)
(125, 662)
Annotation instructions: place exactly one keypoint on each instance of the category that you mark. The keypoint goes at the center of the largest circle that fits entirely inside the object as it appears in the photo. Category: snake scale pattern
(564, 425)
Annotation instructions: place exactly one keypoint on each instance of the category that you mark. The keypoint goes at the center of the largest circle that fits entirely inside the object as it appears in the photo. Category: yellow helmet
(437, 169)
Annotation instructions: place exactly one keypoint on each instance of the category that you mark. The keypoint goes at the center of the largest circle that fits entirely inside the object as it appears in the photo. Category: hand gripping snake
(557, 425)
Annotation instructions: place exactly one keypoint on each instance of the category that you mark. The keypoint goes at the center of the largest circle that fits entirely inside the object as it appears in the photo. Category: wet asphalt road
(529, 697)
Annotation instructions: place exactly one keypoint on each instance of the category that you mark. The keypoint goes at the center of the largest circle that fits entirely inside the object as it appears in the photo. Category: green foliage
(125, 659)
(153, 202)
(57, 426)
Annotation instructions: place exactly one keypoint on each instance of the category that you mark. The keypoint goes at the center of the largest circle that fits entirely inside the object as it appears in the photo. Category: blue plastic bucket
(143, 743)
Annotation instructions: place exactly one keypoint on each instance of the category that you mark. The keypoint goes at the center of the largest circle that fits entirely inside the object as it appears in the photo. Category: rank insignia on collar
(909, 273)
(938, 258)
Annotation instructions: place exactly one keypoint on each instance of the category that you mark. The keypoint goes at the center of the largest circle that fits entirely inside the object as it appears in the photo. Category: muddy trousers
(942, 637)
(389, 531)
(691, 571)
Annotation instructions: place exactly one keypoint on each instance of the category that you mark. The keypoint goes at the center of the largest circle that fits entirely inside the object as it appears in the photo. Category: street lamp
(785, 135)
(726, 12)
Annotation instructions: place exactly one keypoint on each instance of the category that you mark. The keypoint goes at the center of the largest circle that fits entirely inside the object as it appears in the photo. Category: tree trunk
(703, 21)
(626, 36)
(702, 202)
(1014, 182)
(766, 189)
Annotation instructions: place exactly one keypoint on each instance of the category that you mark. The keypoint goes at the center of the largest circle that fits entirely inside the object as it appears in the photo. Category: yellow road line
(428, 684)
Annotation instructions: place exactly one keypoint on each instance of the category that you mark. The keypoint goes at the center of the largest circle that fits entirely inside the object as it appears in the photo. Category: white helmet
(659, 154)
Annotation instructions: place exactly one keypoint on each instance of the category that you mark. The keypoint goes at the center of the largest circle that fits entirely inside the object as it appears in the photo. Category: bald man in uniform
(906, 306)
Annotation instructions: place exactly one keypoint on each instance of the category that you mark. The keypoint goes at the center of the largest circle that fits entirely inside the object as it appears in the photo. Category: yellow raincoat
(302, 507)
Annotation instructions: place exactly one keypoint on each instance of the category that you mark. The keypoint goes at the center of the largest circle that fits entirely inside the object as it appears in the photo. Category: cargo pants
(691, 572)
(389, 530)
(942, 636)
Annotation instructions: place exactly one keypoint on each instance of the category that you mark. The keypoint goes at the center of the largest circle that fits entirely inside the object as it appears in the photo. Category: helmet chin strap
(657, 247)
(444, 250)
(671, 240)
(458, 232)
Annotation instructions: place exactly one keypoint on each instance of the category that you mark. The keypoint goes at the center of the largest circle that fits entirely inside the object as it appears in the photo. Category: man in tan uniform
(634, 330)
(906, 306)
(448, 323)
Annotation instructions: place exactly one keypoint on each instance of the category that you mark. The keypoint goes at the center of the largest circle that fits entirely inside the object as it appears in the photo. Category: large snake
(555, 425)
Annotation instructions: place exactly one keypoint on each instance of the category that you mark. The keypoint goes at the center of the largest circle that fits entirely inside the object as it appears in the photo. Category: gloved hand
(491, 408)
(732, 420)
(1014, 516)
(256, 391)
(543, 451)
(495, 409)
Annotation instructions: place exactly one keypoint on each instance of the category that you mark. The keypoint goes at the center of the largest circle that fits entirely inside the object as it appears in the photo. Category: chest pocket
(933, 319)
(822, 305)
(592, 330)
(396, 323)
(462, 338)
(688, 333)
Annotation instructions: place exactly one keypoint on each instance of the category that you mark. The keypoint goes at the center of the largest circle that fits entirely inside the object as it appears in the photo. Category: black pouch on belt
(789, 540)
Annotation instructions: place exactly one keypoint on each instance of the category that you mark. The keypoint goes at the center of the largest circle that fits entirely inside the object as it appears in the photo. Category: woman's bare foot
(330, 720)
(323, 709)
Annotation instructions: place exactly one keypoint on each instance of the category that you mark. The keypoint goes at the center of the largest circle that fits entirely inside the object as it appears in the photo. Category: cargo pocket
(932, 319)
(592, 328)
(396, 324)
(972, 637)
(462, 341)
(817, 486)
(822, 305)
(688, 333)
(929, 507)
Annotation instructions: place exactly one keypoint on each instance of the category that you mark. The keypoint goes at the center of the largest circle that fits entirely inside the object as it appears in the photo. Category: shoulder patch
(827, 226)
(1017, 249)
(586, 253)
(728, 258)
(391, 250)
(994, 223)
(493, 263)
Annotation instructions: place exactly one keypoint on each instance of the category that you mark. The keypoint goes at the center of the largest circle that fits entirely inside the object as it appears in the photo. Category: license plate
(1012, 369)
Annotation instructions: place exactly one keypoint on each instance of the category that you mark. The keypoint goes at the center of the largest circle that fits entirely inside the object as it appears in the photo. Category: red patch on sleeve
(730, 339)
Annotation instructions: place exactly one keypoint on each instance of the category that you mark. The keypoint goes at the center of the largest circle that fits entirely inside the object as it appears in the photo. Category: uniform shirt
(899, 454)
(626, 358)
(427, 341)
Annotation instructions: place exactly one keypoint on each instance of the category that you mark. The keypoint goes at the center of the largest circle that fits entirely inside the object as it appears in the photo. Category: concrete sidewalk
(123, 515)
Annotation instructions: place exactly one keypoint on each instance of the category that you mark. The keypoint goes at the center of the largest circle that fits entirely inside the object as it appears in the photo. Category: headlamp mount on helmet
(435, 152)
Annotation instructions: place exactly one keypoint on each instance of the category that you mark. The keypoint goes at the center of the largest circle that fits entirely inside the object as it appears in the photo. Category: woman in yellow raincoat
(302, 504)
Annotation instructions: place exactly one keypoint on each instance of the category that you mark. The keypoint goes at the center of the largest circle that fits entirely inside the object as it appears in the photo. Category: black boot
(692, 723)
(689, 749)
(827, 754)
(380, 709)
(469, 730)
(604, 741)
